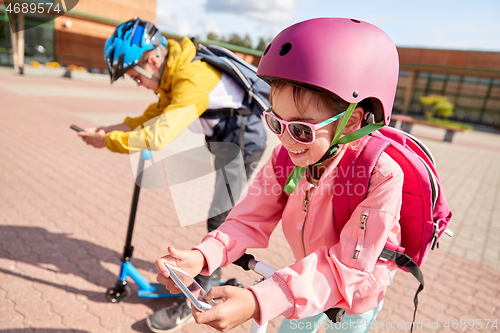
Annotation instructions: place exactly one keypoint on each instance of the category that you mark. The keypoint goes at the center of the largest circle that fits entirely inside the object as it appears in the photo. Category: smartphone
(189, 287)
(76, 128)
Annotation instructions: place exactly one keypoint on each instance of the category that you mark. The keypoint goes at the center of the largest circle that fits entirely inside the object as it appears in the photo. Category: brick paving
(64, 210)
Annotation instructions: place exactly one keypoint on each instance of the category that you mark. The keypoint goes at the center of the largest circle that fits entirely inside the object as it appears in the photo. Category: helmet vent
(267, 49)
(285, 49)
(355, 21)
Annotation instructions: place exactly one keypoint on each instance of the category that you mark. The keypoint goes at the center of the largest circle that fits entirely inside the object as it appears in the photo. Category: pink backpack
(425, 213)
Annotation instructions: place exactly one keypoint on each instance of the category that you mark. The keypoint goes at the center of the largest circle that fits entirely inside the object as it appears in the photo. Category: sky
(441, 24)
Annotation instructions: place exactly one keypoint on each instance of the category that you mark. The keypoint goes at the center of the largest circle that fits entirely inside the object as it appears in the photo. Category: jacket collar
(178, 55)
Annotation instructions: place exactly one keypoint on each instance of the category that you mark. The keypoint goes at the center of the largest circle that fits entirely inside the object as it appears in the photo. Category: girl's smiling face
(314, 112)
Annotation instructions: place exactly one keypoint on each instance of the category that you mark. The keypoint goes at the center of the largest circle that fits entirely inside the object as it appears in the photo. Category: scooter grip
(243, 261)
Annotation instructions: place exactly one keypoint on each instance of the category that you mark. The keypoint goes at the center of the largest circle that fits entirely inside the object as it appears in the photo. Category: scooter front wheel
(235, 283)
(118, 292)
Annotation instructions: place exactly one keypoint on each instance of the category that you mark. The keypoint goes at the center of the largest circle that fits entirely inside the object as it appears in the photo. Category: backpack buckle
(403, 260)
(387, 255)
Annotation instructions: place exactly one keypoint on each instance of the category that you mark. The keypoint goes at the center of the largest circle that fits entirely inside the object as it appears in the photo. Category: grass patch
(448, 123)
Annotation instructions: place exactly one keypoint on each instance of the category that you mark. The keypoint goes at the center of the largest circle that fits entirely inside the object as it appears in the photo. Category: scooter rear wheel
(118, 292)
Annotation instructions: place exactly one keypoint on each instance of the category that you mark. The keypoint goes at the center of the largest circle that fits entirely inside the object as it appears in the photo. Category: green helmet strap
(297, 172)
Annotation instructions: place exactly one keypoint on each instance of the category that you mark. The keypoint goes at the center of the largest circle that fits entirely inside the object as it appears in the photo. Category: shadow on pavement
(41, 330)
(65, 255)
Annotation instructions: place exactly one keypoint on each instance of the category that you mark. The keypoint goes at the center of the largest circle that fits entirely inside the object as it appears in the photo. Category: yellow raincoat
(184, 88)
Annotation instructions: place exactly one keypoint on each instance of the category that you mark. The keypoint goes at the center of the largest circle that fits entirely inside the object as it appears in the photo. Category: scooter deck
(160, 291)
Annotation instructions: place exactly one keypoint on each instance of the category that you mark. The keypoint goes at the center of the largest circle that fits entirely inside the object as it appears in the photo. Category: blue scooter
(120, 291)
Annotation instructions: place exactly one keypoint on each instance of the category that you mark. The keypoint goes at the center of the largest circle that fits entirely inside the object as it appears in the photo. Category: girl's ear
(354, 122)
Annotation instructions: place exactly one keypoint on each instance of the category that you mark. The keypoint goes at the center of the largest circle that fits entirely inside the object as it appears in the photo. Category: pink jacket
(334, 268)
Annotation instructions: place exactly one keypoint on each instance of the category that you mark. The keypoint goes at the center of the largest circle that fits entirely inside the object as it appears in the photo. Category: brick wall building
(470, 79)
(92, 22)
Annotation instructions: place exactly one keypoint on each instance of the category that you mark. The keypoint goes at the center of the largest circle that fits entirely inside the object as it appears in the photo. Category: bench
(405, 123)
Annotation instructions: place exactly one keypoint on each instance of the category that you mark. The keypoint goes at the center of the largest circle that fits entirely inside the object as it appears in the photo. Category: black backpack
(244, 74)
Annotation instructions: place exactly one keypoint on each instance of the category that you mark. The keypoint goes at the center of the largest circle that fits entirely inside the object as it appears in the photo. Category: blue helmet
(128, 43)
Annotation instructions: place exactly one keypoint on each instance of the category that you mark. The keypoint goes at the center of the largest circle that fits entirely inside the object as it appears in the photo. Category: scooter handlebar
(248, 262)
(244, 260)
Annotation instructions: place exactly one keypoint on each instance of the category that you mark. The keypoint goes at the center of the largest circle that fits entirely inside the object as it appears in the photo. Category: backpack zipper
(361, 236)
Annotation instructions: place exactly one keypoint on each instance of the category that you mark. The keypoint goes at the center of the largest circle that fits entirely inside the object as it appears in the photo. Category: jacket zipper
(307, 198)
(361, 236)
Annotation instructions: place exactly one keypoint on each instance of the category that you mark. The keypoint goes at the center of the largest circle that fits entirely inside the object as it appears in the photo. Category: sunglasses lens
(274, 124)
(301, 132)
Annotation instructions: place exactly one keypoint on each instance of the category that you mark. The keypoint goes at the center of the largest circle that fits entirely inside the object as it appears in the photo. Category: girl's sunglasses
(300, 131)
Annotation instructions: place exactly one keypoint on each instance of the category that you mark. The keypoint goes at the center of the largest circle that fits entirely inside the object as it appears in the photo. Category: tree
(213, 36)
(262, 44)
(235, 39)
(247, 42)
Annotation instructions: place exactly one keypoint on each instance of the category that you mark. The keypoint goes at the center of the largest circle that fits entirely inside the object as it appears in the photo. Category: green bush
(437, 106)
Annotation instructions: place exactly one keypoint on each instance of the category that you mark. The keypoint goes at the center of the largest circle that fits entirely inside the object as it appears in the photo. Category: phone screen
(193, 291)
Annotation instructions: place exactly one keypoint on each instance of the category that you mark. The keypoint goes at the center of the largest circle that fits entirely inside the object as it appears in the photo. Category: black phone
(76, 128)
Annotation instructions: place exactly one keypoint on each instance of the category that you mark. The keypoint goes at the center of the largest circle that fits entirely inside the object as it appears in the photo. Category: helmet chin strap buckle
(329, 153)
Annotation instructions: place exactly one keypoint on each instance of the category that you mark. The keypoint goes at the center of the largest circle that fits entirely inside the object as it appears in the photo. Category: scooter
(120, 291)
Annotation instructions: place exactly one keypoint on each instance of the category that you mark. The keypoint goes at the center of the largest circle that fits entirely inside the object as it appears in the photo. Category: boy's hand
(190, 261)
(94, 137)
(239, 305)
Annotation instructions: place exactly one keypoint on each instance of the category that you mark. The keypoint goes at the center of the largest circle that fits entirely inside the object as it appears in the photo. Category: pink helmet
(350, 58)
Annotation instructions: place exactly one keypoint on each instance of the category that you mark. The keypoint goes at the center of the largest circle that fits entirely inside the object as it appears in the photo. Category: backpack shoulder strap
(394, 253)
(353, 176)
(244, 74)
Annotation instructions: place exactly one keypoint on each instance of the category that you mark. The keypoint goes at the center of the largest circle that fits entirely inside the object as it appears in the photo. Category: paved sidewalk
(64, 210)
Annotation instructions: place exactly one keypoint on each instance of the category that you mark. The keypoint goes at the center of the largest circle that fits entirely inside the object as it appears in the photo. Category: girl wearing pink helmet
(333, 81)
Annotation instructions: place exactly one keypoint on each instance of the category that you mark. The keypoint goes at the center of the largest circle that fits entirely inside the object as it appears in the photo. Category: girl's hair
(326, 99)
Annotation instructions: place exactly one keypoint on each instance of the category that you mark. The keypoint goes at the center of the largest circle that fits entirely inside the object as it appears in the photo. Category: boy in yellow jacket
(138, 49)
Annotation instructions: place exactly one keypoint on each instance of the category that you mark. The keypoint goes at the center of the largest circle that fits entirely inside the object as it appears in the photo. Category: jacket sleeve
(246, 226)
(191, 86)
(329, 277)
(153, 110)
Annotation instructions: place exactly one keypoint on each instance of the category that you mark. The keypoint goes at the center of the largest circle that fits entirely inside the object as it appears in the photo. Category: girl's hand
(190, 261)
(239, 305)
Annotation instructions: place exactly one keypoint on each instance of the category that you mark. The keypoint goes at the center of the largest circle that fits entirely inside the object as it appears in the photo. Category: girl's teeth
(298, 152)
